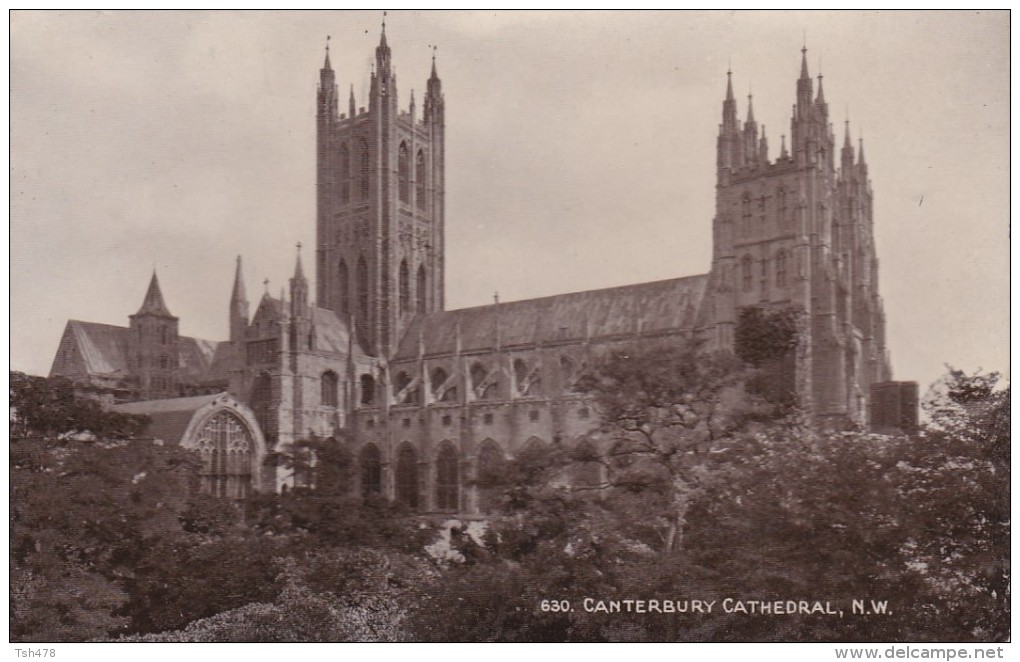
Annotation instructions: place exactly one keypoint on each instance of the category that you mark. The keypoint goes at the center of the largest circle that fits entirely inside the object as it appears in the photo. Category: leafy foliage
(49, 407)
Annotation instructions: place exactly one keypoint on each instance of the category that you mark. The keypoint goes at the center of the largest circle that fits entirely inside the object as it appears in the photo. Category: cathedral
(431, 397)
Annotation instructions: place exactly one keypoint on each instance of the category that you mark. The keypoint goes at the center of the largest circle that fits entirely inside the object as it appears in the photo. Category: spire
(803, 63)
(153, 303)
(299, 272)
(238, 306)
(382, 51)
(846, 134)
(326, 64)
(729, 85)
(434, 74)
(783, 154)
(351, 101)
(821, 92)
(763, 146)
(750, 109)
(847, 154)
(238, 293)
(860, 152)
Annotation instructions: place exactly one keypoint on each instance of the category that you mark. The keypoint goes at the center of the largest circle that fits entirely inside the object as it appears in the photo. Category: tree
(50, 407)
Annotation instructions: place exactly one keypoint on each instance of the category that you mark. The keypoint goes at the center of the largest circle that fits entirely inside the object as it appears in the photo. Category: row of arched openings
(404, 176)
(354, 185)
(780, 267)
(362, 292)
(490, 473)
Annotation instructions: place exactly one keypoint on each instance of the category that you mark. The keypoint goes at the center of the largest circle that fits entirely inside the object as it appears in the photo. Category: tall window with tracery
(403, 173)
(745, 211)
(404, 278)
(781, 269)
(345, 174)
(363, 170)
(419, 181)
(226, 447)
(421, 288)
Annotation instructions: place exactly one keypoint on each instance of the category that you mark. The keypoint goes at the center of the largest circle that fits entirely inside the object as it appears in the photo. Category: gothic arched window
(405, 286)
(226, 448)
(421, 289)
(370, 464)
(447, 478)
(403, 173)
(345, 174)
(367, 390)
(491, 467)
(402, 381)
(362, 293)
(407, 476)
(419, 181)
(440, 377)
(781, 269)
(568, 372)
(363, 164)
(745, 210)
(521, 376)
(343, 285)
(329, 396)
(745, 272)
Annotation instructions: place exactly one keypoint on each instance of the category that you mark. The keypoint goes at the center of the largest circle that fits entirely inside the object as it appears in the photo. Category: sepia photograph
(510, 326)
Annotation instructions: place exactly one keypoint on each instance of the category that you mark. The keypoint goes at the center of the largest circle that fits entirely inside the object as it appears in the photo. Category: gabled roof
(153, 303)
(170, 417)
(661, 306)
(103, 352)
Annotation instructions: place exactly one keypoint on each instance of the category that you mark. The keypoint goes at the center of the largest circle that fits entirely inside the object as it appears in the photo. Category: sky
(580, 153)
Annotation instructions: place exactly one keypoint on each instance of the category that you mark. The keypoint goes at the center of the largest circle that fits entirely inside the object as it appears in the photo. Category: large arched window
(490, 471)
(370, 465)
(403, 173)
(343, 285)
(362, 293)
(421, 289)
(345, 174)
(363, 167)
(407, 476)
(745, 272)
(367, 390)
(781, 269)
(226, 447)
(447, 478)
(568, 373)
(419, 181)
(404, 278)
(330, 389)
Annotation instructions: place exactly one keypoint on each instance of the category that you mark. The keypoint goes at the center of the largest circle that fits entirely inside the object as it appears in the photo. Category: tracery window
(419, 181)
(447, 478)
(363, 174)
(367, 390)
(405, 287)
(345, 174)
(421, 289)
(440, 377)
(226, 447)
(403, 173)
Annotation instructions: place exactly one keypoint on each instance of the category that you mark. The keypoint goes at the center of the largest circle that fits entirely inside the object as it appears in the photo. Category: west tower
(796, 232)
(380, 206)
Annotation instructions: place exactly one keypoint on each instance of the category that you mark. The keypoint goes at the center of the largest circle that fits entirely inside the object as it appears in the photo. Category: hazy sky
(580, 154)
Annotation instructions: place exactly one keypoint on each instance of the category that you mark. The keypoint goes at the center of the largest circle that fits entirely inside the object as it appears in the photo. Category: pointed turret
(750, 134)
(382, 52)
(728, 144)
(433, 94)
(821, 91)
(299, 289)
(763, 147)
(238, 306)
(847, 153)
(350, 102)
(803, 64)
(804, 87)
(153, 303)
(783, 154)
(328, 106)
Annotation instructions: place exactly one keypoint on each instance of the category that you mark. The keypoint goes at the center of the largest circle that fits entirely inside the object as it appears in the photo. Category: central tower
(380, 205)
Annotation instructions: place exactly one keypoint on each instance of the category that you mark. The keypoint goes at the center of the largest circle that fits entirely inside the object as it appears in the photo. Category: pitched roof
(331, 332)
(153, 303)
(104, 352)
(169, 418)
(665, 305)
